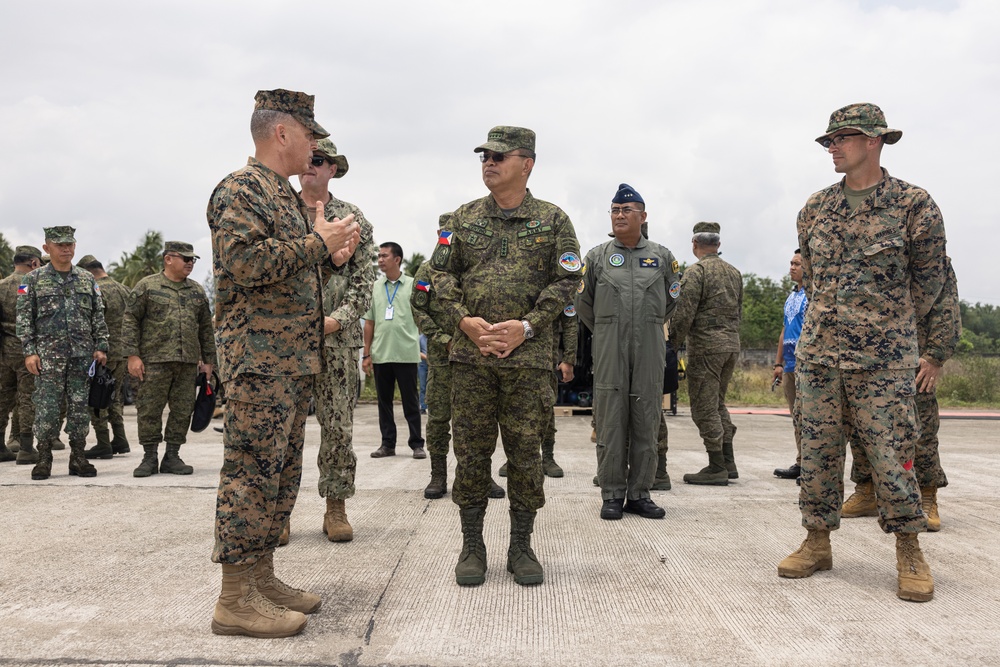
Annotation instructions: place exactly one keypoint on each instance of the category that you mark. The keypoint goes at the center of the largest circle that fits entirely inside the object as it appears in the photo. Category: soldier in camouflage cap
(270, 264)
(505, 267)
(327, 149)
(60, 321)
(873, 256)
(16, 383)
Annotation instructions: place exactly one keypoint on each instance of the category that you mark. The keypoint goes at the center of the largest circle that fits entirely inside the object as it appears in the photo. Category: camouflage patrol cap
(504, 139)
(61, 234)
(87, 261)
(29, 250)
(707, 228)
(329, 149)
(298, 105)
(865, 117)
(181, 248)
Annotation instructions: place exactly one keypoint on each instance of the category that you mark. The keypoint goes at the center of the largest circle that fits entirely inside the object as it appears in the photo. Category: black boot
(521, 559)
(78, 463)
(149, 465)
(42, 469)
(6, 454)
(172, 462)
(439, 477)
(119, 443)
(102, 450)
(471, 568)
(27, 455)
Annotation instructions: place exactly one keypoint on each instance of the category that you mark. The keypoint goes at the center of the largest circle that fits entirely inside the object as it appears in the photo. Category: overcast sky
(121, 117)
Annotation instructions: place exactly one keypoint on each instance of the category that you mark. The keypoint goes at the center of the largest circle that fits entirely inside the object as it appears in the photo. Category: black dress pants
(387, 376)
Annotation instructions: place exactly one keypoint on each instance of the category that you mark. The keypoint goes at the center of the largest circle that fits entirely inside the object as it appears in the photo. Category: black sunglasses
(318, 160)
(486, 156)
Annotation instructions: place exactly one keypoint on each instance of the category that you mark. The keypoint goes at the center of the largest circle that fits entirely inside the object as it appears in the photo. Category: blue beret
(626, 195)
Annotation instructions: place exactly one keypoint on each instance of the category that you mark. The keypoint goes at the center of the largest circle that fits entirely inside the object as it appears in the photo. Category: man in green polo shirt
(392, 350)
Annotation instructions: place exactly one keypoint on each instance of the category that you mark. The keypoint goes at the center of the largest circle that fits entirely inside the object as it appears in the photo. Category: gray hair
(263, 121)
(706, 239)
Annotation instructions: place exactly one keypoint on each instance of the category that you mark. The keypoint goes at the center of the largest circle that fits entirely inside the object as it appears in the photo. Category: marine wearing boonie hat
(506, 138)
(329, 149)
(297, 105)
(61, 234)
(181, 248)
(865, 117)
(28, 250)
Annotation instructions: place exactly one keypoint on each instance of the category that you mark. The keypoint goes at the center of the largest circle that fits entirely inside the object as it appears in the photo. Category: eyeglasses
(839, 139)
(486, 156)
(624, 210)
(184, 258)
(318, 160)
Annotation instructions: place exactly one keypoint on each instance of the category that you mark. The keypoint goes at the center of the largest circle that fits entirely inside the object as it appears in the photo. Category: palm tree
(6, 257)
(411, 265)
(146, 260)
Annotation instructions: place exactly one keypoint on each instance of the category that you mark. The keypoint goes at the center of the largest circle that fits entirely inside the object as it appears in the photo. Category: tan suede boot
(242, 610)
(335, 525)
(279, 592)
(814, 554)
(915, 580)
(861, 503)
(928, 501)
(286, 533)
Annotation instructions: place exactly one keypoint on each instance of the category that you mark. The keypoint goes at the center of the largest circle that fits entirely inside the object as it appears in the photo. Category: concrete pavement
(115, 570)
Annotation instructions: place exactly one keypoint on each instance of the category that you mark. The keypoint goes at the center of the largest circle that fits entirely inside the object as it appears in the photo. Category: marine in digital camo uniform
(166, 332)
(60, 321)
(709, 309)
(267, 261)
(626, 296)
(936, 346)
(115, 297)
(873, 253)
(505, 266)
(346, 298)
(16, 383)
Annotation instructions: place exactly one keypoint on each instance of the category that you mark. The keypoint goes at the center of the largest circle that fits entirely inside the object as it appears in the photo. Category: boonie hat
(505, 138)
(864, 117)
(298, 105)
(329, 149)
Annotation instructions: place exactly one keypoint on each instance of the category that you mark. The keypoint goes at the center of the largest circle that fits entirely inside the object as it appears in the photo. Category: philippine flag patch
(22, 289)
(423, 286)
(444, 238)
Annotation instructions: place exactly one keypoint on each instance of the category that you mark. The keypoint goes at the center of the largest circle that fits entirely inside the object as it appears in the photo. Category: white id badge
(388, 312)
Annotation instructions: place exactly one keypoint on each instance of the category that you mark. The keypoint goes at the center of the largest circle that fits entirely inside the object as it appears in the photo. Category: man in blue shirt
(784, 365)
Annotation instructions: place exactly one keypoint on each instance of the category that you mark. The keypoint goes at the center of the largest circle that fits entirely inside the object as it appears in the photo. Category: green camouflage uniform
(62, 321)
(709, 308)
(16, 383)
(115, 297)
(565, 334)
(429, 316)
(269, 320)
(937, 344)
(346, 298)
(626, 296)
(871, 274)
(525, 266)
(168, 325)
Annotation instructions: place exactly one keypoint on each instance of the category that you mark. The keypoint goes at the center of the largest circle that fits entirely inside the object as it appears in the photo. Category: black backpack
(204, 402)
(102, 388)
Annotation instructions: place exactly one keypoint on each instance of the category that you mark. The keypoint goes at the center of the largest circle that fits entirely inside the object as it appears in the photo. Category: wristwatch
(528, 331)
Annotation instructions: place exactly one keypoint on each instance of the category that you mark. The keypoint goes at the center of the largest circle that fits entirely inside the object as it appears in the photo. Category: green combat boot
(78, 463)
(861, 503)
(102, 450)
(715, 474)
(503, 470)
(471, 568)
(172, 462)
(727, 454)
(521, 560)
(149, 465)
(549, 465)
(814, 554)
(6, 454)
(119, 443)
(439, 478)
(57, 444)
(26, 454)
(496, 491)
(662, 480)
(42, 469)
(915, 581)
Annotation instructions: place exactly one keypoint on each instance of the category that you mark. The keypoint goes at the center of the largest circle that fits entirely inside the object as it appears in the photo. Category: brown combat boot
(279, 592)
(814, 554)
(915, 580)
(243, 610)
(861, 503)
(439, 478)
(335, 525)
(928, 501)
(471, 568)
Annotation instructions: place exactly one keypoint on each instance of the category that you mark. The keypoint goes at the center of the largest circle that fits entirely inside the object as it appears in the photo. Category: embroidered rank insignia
(22, 289)
(675, 289)
(569, 311)
(423, 286)
(570, 262)
(674, 266)
(616, 259)
(444, 238)
(649, 263)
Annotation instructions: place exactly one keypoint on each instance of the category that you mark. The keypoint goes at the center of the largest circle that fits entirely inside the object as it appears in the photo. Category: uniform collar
(522, 211)
(643, 242)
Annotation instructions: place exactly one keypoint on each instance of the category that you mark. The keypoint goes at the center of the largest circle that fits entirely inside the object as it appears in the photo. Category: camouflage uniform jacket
(268, 278)
(566, 334)
(870, 274)
(709, 307)
(938, 332)
(60, 318)
(429, 316)
(115, 297)
(523, 267)
(8, 313)
(348, 295)
(168, 321)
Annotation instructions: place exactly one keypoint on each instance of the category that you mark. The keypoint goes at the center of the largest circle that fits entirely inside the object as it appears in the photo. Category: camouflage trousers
(708, 377)
(788, 387)
(627, 439)
(113, 415)
(519, 401)
(926, 461)
(16, 387)
(62, 379)
(438, 432)
(262, 464)
(336, 392)
(168, 383)
(876, 409)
